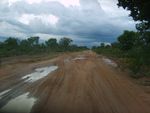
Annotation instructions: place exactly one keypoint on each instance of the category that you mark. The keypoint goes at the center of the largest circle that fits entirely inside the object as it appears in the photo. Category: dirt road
(83, 83)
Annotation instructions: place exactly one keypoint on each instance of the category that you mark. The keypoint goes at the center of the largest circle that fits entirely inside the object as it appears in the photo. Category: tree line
(13, 46)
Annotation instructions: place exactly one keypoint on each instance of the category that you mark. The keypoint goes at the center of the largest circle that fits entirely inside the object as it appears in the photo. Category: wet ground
(71, 83)
(19, 102)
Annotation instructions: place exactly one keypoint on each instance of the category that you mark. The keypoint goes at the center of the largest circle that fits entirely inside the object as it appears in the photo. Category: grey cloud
(87, 21)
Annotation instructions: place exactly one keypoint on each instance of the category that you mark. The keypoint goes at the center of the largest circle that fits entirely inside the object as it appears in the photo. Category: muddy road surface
(82, 82)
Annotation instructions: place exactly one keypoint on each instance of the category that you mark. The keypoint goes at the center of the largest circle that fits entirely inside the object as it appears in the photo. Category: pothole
(80, 57)
(39, 73)
(109, 62)
(20, 104)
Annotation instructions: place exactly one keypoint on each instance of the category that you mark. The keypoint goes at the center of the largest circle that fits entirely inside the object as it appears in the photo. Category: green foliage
(131, 49)
(64, 43)
(102, 45)
(108, 51)
(52, 43)
(140, 52)
(31, 46)
(127, 40)
(9, 47)
(140, 10)
(32, 41)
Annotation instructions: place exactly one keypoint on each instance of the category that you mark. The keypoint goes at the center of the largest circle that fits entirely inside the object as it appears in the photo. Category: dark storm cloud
(90, 21)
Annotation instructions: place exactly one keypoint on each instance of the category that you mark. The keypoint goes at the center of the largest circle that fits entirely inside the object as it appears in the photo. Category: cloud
(45, 19)
(85, 21)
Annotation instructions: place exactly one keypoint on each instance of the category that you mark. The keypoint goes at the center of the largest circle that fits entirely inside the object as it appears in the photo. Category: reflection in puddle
(4, 92)
(110, 62)
(80, 57)
(39, 73)
(20, 104)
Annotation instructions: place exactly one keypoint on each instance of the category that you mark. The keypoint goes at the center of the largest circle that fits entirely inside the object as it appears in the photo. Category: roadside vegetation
(132, 48)
(131, 51)
(32, 46)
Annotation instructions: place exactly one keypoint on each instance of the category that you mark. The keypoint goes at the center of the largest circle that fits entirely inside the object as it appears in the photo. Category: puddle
(39, 73)
(66, 60)
(3, 93)
(109, 62)
(80, 57)
(20, 104)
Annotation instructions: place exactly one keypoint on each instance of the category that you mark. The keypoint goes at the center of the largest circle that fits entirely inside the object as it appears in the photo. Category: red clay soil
(83, 83)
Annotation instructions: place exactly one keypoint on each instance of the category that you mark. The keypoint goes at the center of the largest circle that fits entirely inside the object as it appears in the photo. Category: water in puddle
(80, 57)
(39, 73)
(66, 60)
(4, 92)
(20, 104)
(110, 62)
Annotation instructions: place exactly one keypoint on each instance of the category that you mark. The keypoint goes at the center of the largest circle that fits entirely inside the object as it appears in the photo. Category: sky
(87, 22)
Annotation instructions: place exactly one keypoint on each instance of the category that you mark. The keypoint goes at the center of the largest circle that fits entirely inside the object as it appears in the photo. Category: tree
(65, 42)
(140, 9)
(11, 43)
(1, 44)
(31, 46)
(102, 45)
(127, 40)
(9, 47)
(33, 41)
(52, 43)
(115, 45)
